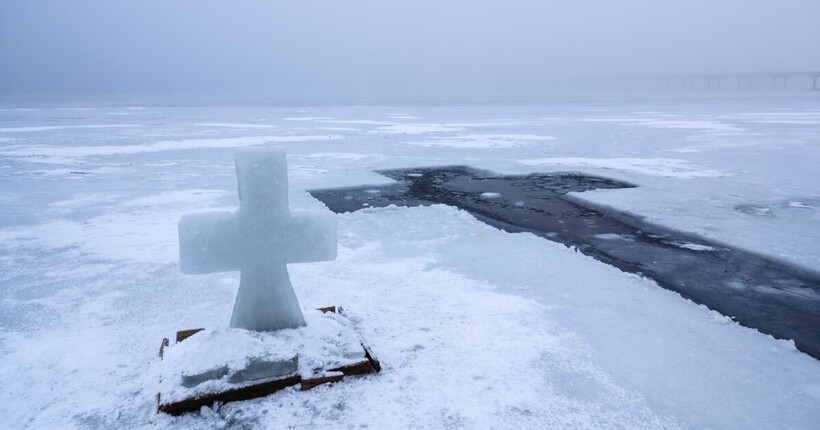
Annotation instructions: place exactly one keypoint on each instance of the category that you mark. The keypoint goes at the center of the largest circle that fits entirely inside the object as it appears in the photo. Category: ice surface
(61, 127)
(173, 145)
(483, 141)
(259, 240)
(233, 125)
(542, 337)
(669, 167)
(405, 128)
(696, 247)
(612, 236)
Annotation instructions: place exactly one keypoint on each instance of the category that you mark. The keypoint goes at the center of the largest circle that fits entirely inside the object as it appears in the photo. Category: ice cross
(259, 239)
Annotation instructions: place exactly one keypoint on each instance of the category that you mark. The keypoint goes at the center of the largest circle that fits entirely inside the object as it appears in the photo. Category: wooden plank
(331, 309)
(162, 347)
(236, 394)
(308, 383)
(374, 361)
(368, 353)
(360, 368)
(185, 334)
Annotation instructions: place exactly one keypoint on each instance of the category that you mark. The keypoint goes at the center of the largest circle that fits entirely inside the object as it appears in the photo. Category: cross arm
(312, 237)
(209, 242)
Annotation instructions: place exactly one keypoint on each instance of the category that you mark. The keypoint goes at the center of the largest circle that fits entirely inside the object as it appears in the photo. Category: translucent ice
(259, 240)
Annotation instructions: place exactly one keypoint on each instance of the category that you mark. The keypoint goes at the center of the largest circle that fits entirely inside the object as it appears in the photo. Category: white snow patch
(767, 115)
(486, 141)
(307, 118)
(82, 200)
(613, 236)
(203, 197)
(148, 235)
(335, 128)
(800, 205)
(489, 123)
(61, 127)
(777, 117)
(162, 164)
(167, 145)
(401, 116)
(48, 172)
(74, 173)
(136, 238)
(232, 125)
(694, 124)
(354, 121)
(349, 156)
(667, 167)
(415, 129)
(696, 246)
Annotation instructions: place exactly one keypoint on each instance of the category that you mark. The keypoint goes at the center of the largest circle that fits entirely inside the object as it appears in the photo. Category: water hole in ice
(775, 298)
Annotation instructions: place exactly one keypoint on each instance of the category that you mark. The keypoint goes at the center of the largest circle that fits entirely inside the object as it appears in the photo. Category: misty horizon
(371, 50)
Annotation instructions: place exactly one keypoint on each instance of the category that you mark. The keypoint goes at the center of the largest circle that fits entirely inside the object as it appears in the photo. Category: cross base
(190, 381)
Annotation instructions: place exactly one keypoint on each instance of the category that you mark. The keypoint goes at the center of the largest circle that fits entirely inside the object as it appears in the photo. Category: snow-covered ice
(174, 145)
(669, 167)
(483, 140)
(475, 327)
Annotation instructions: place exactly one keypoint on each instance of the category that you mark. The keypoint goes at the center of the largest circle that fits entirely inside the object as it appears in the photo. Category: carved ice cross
(259, 239)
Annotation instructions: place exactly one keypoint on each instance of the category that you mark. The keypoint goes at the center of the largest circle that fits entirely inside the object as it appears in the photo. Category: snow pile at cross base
(217, 360)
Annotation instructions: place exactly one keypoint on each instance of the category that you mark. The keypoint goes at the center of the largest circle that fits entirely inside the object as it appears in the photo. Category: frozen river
(476, 327)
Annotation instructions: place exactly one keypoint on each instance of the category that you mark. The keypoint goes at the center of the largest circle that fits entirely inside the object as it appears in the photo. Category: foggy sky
(382, 47)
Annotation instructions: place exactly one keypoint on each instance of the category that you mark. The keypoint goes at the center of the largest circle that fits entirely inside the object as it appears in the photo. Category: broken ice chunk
(263, 368)
(208, 375)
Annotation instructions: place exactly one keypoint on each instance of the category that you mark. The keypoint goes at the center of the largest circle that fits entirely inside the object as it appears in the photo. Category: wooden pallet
(265, 387)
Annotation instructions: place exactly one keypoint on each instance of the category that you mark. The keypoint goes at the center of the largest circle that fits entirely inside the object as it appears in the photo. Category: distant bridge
(742, 81)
